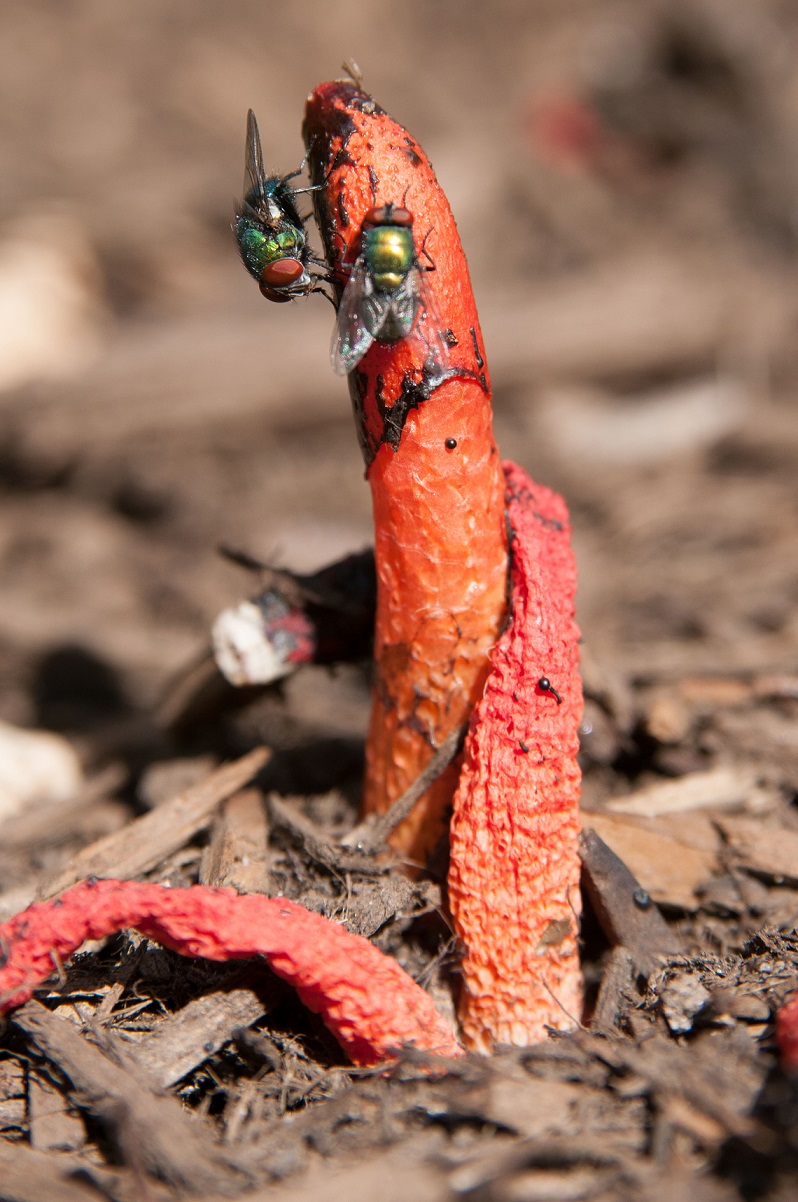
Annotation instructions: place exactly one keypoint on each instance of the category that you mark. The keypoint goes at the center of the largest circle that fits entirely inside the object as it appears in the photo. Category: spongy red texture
(787, 1034)
(369, 1003)
(514, 874)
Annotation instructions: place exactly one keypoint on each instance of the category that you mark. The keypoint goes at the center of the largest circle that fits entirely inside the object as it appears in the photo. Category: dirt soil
(625, 177)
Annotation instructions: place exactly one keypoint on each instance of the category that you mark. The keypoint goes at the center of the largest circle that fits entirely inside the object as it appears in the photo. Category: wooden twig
(238, 850)
(378, 834)
(147, 840)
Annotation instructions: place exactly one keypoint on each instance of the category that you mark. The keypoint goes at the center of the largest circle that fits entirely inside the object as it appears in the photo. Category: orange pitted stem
(440, 539)
(514, 866)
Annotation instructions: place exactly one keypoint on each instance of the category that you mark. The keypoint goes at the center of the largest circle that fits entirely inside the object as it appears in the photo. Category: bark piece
(624, 908)
(308, 836)
(30, 1176)
(619, 972)
(769, 852)
(682, 998)
(52, 1124)
(670, 869)
(147, 840)
(238, 851)
(181, 1042)
(720, 788)
(13, 1109)
(150, 1129)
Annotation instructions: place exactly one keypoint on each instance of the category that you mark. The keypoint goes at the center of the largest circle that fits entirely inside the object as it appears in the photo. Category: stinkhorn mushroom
(424, 420)
(368, 1002)
(514, 854)
(787, 1034)
(441, 516)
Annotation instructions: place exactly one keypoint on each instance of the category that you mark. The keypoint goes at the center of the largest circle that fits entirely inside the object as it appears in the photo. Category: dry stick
(378, 835)
(237, 853)
(143, 843)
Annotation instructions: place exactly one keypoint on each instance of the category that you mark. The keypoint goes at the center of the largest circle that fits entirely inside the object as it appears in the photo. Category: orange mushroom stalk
(422, 408)
(441, 515)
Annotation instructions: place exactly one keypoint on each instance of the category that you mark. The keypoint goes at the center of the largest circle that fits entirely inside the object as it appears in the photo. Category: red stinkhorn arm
(370, 1004)
(787, 1034)
(514, 867)
(436, 482)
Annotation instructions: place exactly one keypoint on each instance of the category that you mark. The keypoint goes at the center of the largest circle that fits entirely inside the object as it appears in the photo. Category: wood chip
(532, 1107)
(147, 840)
(53, 1125)
(238, 851)
(672, 870)
(151, 1130)
(29, 1176)
(13, 1102)
(726, 788)
(42, 825)
(310, 838)
(181, 1042)
(682, 998)
(769, 852)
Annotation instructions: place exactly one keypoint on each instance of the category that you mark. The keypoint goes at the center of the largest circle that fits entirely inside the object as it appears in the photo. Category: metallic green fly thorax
(389, 253)
(260, 247)
(384, 295)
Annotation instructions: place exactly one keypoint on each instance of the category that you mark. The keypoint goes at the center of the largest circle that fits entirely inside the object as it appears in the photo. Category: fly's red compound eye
(388, 215)
(402, 216)
(282, 272)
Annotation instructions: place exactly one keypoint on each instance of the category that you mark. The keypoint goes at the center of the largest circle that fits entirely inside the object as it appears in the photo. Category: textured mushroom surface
(514, 871)
(425, 428)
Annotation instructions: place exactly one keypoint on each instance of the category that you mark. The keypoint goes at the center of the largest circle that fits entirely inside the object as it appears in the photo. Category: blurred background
(625, 177)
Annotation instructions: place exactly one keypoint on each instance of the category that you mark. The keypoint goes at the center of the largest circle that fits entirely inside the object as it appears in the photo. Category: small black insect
(545, 686)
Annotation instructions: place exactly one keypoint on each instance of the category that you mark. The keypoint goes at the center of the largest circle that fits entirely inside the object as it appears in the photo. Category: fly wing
(254, 173)
(360, 318)
(429, 329)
